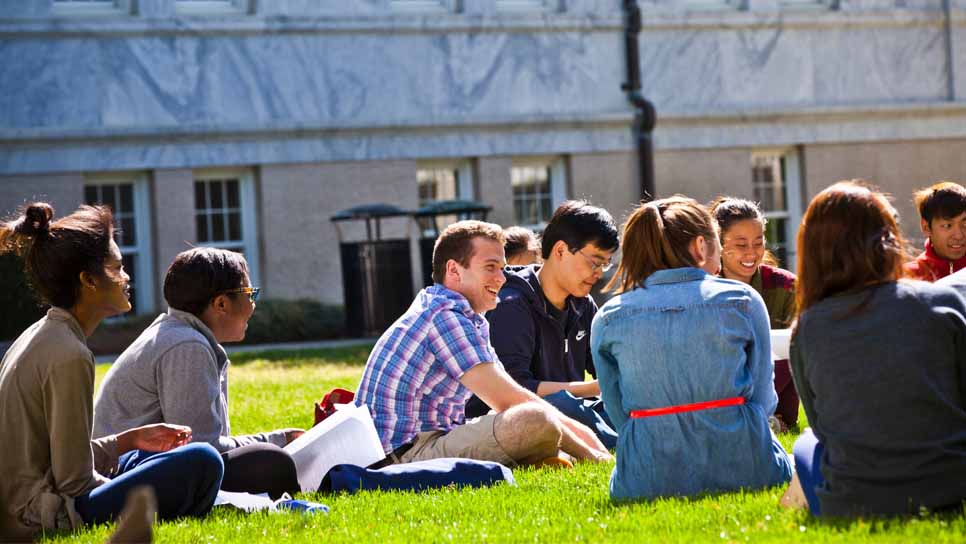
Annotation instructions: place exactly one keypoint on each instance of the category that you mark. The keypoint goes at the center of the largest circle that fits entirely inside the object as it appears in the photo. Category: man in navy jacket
(541, 327)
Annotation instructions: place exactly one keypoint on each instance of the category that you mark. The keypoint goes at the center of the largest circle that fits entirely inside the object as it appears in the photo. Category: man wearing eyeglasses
(541, 327)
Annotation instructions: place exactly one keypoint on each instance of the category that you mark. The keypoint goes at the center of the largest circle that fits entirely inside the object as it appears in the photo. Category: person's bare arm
(577, 389)
(497, 389)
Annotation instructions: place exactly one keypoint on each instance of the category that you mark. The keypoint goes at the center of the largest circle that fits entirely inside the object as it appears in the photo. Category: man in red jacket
(942, 213)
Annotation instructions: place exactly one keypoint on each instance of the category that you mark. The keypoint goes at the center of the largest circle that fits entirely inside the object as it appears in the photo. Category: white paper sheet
(245, 501)
(346, 437)
(780, 340)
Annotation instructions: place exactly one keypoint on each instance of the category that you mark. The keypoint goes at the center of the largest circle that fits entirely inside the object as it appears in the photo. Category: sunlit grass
(277, 390)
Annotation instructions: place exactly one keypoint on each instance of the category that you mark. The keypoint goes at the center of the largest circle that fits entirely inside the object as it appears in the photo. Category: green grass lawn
(277, 389)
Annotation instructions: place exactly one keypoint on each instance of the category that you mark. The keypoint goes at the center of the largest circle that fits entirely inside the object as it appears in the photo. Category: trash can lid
(369, 211)
(446, 207)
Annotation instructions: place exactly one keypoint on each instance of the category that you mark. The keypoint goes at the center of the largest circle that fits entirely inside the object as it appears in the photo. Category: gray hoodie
(174, 372)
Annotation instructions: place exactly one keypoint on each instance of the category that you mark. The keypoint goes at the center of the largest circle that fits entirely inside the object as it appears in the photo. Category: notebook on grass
(347, 436)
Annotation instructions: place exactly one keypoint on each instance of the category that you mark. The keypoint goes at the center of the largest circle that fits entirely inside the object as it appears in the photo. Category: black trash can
(377, 276)
(430, 218)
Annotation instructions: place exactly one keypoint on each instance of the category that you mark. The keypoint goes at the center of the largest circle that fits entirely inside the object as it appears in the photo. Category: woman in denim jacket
(684, 363)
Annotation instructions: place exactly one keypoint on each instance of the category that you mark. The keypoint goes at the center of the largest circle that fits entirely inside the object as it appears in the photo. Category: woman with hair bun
(55, 475)
(745, 259)
(880, 364)
(684, 363)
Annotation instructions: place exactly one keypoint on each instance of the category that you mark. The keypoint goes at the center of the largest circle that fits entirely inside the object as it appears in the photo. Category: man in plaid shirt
(433, 358)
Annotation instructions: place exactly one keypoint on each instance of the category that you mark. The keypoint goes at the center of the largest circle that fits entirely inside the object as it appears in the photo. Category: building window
(538, 188)
(204, 7)
(444, 180)
(90, 7)
(225, 214)
(777, 188)
(127, 196)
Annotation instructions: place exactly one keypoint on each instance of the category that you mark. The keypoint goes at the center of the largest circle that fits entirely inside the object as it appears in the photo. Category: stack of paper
(346, 437)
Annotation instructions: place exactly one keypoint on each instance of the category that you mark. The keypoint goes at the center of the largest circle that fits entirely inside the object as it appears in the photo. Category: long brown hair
(55, 253)
(656, 237)
(849, 238)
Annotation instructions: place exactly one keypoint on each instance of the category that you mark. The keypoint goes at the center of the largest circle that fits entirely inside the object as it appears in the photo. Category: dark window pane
(217, 197)
(127, 231)
(546, 212)
(90, 194)
(217, 227)
(200, 203)
(127, 197)
(201, 227)
(234, 226)
(233, 201)
(107, 196)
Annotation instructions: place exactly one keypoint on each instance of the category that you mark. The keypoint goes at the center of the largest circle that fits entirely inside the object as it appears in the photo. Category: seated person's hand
(589, 438)
(291, 434)
(157, 437)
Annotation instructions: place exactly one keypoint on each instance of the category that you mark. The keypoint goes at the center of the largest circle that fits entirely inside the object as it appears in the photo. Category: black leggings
(260, 468)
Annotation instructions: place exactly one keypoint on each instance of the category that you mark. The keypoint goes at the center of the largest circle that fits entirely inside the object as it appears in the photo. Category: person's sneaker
(135, 522)
(554, 461)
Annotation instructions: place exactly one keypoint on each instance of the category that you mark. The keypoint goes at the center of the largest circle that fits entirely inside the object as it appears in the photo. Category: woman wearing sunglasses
(177, 371)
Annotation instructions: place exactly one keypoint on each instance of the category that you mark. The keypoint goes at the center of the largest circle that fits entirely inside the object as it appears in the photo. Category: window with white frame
(127, 196)
(225, 214)
(538, 188)
(444, 180)
(89, 7)
(776, 182)
(202, 7)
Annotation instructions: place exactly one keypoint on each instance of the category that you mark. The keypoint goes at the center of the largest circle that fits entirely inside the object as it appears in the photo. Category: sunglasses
(252, 292)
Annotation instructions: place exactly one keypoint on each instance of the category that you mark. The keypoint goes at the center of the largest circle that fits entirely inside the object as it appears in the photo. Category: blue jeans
(185, 481)
(589, 411)
(808, 462)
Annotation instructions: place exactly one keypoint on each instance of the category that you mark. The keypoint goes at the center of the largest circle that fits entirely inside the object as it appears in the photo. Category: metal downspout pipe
(646, 116)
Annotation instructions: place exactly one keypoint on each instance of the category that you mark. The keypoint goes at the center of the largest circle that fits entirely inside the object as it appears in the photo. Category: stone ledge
(805, 17)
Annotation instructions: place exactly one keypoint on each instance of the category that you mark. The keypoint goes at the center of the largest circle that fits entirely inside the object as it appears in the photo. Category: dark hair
(520, 240)
(456, 243)
(578, 223)
(728, 210)
(56, 253)
(944, 200)
(849, 238)
(199, 275)
(656, 237)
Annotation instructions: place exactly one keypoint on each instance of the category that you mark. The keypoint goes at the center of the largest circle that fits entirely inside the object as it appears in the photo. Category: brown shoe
(135, 522)
(555, 462)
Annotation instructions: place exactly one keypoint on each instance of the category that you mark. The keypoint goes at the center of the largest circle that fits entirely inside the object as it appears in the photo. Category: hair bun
(35, 220)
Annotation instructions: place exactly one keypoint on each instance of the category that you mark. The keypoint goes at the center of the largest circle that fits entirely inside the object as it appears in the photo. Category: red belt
(688, 407)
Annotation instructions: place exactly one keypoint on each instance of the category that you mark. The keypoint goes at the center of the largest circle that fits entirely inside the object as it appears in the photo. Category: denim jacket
(687, 337)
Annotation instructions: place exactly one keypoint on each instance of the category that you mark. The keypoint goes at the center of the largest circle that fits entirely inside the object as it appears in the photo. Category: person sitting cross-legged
(541, 328)
(176, 371)
(425, 366)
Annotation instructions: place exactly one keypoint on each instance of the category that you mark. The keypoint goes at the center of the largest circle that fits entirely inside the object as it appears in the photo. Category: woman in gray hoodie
(176, 371)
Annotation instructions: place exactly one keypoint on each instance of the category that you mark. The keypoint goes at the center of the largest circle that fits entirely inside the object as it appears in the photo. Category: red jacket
(929, 266)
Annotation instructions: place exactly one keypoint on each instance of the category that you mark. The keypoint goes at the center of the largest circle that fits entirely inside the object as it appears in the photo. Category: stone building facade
(248, 123)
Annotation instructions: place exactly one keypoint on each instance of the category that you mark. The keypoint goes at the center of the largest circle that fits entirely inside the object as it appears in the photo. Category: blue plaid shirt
(412, 378)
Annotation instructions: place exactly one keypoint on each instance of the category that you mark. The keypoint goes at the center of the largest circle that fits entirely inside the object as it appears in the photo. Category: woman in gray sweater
(880, 365)
(54, 475)
(176, 371)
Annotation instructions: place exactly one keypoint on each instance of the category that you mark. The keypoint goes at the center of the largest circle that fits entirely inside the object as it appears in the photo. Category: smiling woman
(64, 478)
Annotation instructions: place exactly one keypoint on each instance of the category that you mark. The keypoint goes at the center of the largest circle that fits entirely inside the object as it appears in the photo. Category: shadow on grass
(352, 355)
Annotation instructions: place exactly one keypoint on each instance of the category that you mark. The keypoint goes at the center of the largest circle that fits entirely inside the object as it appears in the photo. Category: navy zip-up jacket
(531, 344)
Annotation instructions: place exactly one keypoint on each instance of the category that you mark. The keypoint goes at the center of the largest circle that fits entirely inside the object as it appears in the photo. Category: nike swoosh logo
(580, 335)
